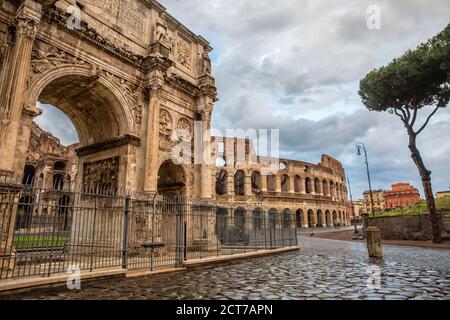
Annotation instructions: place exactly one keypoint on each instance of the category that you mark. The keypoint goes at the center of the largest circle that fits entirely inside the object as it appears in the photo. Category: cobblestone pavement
(322, 269)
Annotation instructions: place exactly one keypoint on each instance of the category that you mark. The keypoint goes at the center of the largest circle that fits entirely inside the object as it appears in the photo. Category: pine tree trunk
(426, 182)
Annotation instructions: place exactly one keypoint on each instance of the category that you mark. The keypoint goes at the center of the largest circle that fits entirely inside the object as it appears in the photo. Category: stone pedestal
(374, 242)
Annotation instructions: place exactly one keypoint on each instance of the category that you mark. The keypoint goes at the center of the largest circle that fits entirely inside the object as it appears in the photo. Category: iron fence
(49, 231)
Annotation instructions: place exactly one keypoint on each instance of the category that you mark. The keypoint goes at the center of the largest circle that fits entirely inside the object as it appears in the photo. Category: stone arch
(118, 108)
(335, 217)
(285, 183)
(256, 182)
(257, 219)
(171, 179)
(287, 218)
(332, 189)
(328, 218)
(271, 183)
(325, 188)
(222, 182)
(308, 185)
(239, 219)
(311, 218)
(317, 189)
(273, 218)
(299, 218)
(222, 221)
(320, 219)
(239, 183)
(297, 184)
(29, 174)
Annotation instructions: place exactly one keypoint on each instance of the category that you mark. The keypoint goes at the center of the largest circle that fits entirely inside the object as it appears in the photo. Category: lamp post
(361, 147)
(352, 204)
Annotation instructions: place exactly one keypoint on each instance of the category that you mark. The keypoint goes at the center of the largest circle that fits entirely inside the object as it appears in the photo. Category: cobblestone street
(322, 269)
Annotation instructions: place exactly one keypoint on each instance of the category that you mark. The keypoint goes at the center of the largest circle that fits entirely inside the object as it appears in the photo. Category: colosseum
(315, 193)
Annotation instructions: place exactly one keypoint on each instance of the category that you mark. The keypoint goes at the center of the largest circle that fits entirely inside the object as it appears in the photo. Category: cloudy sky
(295, 65)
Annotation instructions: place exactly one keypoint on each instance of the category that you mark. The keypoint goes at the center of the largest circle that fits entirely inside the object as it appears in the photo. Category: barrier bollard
(374, 242)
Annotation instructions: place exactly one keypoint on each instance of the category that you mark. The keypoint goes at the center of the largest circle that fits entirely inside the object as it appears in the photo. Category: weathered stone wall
(413, 227)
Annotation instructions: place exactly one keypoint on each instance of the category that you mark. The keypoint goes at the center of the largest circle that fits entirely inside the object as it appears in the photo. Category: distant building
(402, 195)
(379, 203)
(443, 194)
(356, 208)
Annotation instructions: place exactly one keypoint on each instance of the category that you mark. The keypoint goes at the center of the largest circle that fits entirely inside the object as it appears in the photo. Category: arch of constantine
(129, 76)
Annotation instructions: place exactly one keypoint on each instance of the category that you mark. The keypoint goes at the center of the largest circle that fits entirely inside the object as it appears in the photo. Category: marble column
(152, 149)
(14, 82)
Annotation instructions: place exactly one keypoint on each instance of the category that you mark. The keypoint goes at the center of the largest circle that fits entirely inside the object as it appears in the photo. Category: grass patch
(39, 241)
(442, 205)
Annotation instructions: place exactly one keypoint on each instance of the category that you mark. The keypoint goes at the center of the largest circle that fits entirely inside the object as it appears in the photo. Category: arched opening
(222, 183)
(299, 216)
(311, 219)
(171, 180)
(273, 221)
(335, 218)
(257, 219)
(285, 181)
(317, 186)
(297, 184)
(271, 183)
(332, 189)
(325, 188)
(28, 175)
(320, 219)
(58, 182)
(287, 218)
(308, 185)
(87, 111)
(239, 183)
(222, 223)
(328, 218)
(59, 166)
(256, 182)
(239, 219)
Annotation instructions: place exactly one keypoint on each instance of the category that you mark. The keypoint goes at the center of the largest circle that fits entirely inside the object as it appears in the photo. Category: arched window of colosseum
(328, 218)
(317, 186)
(285, 181)
(239, 183)
(332, 189)
(299, 216)
(239, 219)
(271, 183)
(273, 221)
(58, 182)
(311, 219)
(222, 223)
(320, 218)
(256, 182)
(257, 219)
(326, 190)
(308, 185)
(221, 183)
(287, 218)
(59, 166)
(283, 166)
(28, 175)
(297, 184)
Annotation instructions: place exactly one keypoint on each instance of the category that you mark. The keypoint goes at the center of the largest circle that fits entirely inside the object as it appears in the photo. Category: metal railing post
(126, 212)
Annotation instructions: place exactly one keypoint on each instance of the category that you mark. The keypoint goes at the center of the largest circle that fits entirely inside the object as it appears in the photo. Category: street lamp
(361, 147)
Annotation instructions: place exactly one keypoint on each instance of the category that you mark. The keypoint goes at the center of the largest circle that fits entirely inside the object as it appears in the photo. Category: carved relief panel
(184, 53)
(101, 176)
